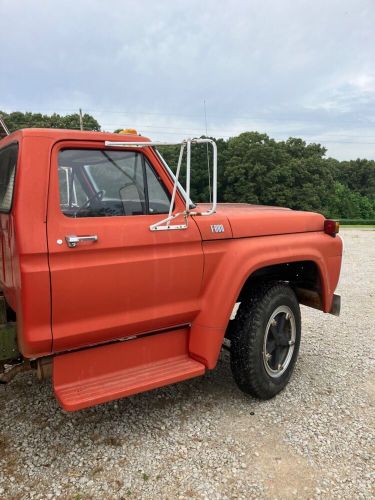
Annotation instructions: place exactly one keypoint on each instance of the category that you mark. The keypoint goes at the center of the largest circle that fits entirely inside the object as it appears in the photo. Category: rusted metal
(310, 298)
(44, 368)
(10, 371)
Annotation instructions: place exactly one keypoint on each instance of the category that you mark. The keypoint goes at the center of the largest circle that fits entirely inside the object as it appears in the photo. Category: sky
(174, 69)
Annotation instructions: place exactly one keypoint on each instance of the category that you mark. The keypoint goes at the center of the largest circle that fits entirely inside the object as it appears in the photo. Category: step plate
(97, 375)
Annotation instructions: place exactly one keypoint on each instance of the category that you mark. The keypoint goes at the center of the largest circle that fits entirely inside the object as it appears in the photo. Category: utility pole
(80, 119)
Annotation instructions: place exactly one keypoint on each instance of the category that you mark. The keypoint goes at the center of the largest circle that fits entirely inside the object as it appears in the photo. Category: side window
(8, 162)
(158, 199)
(105, 183)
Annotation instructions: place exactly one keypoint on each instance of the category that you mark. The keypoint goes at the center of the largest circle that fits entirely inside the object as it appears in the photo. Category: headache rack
(165, 224)
(5, 131)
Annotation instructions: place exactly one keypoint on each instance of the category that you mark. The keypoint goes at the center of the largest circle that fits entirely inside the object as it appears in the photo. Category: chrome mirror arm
(176, 179)
(165, 224)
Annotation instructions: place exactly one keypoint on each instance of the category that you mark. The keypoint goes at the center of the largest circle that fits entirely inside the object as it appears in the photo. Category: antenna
(2, 123)
(208, 156)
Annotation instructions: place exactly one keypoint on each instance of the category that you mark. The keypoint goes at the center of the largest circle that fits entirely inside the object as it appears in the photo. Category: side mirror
(164, 224)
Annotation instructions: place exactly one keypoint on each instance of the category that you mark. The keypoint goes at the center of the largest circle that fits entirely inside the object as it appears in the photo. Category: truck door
(111, 277)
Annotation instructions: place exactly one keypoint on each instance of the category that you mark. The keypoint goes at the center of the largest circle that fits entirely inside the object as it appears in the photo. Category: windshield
(170, 172)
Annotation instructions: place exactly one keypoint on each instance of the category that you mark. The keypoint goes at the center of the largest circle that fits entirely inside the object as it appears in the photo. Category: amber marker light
(131, 131)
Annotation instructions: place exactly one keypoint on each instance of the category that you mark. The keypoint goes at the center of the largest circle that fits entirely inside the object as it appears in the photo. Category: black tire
(259, 328)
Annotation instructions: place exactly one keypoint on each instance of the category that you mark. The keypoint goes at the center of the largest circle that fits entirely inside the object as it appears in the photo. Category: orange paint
(134, 281)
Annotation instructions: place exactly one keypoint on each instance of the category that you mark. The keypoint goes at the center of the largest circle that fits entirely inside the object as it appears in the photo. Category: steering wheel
(98, 195)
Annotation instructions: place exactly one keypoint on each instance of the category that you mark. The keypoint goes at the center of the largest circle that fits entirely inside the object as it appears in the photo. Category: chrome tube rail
(2, 123)
(165, 224)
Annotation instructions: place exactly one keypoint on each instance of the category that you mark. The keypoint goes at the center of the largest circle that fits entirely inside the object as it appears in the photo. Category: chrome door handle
(72, 240)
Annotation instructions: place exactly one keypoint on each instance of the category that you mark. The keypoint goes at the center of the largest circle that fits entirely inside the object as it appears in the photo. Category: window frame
(145, 161)
(8, 146)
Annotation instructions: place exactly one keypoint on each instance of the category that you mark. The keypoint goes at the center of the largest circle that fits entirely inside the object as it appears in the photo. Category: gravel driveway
(204, 438)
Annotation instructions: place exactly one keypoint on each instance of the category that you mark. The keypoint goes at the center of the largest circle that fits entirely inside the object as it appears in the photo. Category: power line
(227, 134)
(253, 117)
(199, 130)
(218, 132)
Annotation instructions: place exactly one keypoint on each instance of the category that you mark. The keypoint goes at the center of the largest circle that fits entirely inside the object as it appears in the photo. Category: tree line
(16, 120)
(254, 168)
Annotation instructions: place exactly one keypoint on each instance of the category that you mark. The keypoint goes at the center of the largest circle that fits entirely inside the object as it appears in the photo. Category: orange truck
(115, 282)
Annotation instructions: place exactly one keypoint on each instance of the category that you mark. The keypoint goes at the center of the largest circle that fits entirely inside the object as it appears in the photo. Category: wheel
(265, 340)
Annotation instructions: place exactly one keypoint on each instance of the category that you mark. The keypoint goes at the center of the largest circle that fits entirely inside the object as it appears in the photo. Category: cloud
(284, 67)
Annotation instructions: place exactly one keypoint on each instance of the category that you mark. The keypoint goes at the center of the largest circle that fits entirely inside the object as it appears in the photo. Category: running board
(96, 375)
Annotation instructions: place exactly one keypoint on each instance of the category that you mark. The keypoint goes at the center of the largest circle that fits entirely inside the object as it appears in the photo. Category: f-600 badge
(217, 228)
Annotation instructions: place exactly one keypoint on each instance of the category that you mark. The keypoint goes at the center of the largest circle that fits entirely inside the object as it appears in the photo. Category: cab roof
(67, 134)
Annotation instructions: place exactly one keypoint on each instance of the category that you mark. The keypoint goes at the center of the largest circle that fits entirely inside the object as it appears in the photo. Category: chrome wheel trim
(281, 329)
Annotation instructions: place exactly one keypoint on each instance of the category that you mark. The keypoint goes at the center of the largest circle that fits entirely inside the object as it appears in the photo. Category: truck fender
(229, 264)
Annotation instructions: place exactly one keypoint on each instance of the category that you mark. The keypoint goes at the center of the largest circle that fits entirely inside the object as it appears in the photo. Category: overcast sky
(303, 68)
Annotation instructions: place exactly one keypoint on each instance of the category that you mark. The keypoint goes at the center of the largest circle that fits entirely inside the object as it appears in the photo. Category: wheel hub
(279, 341)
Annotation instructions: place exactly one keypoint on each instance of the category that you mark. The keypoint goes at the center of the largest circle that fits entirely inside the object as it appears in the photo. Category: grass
(357, 222)
(357, 226)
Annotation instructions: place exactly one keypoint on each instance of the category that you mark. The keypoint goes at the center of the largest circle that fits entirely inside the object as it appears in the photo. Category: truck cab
(114, 281)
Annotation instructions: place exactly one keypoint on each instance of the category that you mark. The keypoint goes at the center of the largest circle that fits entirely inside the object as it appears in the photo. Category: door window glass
(8, 161)
(158, 199)
(99, 183)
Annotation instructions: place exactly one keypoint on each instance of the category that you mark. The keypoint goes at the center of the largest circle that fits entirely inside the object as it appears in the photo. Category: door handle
(73, 240)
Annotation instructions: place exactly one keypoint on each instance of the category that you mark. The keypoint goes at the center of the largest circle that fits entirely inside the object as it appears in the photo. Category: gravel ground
(204, 438)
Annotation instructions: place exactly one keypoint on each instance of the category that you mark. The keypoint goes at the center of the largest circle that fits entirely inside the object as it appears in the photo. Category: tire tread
(245, 365)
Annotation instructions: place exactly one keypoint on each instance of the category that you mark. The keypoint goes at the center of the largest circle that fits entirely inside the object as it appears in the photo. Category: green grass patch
(357, 222)
(358, 226)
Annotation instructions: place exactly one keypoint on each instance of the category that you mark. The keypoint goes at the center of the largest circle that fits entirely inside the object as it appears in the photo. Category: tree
(18, 120)
(253, 168)
(347, 204)
(358, 175)
(201, 165)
